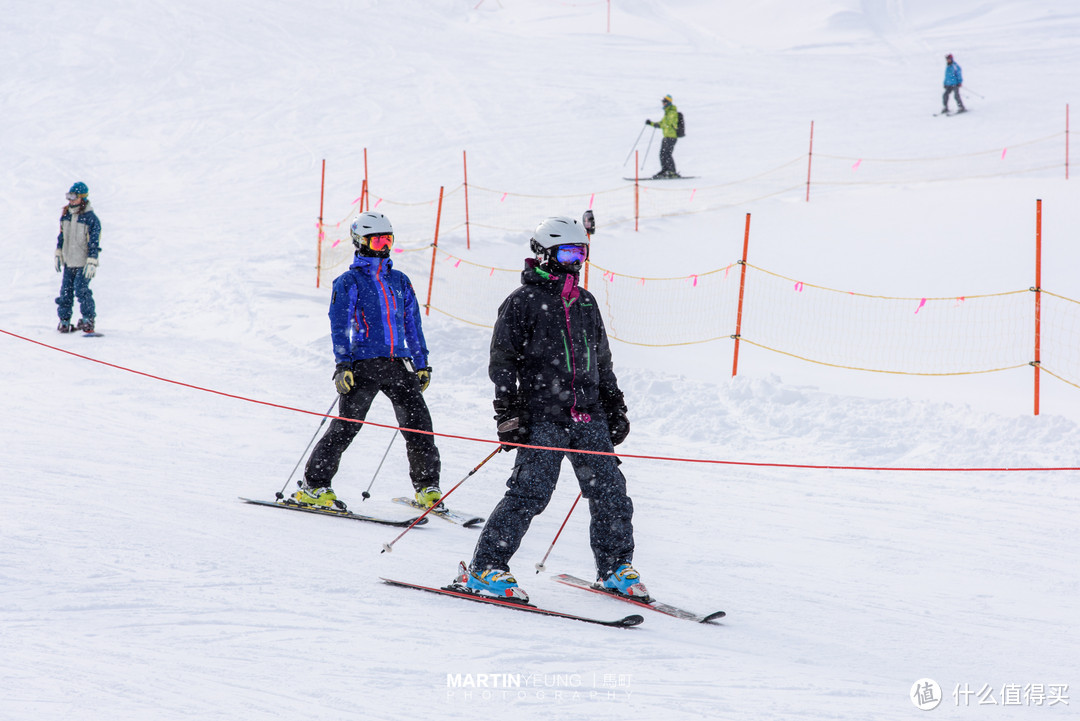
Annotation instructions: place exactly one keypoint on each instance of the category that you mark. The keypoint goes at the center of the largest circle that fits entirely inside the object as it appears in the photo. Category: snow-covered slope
(134, 585)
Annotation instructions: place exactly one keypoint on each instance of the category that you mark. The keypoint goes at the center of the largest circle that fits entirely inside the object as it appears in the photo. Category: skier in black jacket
(555, 387)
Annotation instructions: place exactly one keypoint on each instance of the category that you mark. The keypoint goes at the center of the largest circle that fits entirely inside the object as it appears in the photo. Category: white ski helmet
(367, 225)
(555, 232)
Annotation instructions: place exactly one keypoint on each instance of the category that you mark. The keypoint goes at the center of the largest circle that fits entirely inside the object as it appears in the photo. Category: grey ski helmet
(367, 225)
(559, 231)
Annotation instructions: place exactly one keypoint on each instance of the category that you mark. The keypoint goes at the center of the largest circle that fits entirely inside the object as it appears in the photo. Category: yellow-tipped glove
(343, 380)
(424, 376)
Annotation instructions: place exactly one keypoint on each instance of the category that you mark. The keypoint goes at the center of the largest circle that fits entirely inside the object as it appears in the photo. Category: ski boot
(491, 583)
(626, 582)
(65, 326)
(428, 497)
(321, 496)
(86, 326)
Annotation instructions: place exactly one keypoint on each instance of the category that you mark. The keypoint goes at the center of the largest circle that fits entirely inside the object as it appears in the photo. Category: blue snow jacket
(374, 314)
(953, 74)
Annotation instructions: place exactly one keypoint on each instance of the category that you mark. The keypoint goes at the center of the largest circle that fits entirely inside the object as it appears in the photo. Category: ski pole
(635, 145)
(647, 149)
(281, 494)
(540, 566)
(390, 546)
(367, 494)
(969, 90)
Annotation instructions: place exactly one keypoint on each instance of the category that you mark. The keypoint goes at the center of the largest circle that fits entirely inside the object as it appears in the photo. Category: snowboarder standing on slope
(555, 387)
(954, 78)
(77, 248)
(669, 124)
(376, 333)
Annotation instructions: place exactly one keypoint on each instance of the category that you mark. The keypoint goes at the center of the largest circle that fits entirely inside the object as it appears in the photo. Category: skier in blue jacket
(378, 347)
(954, 78)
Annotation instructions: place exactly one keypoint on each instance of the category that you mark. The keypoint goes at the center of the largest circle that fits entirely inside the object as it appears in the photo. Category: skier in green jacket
(669, 125)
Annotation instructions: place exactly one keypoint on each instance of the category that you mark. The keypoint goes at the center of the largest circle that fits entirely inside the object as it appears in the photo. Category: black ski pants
(398, 382)
(667, 159)
(611, 530)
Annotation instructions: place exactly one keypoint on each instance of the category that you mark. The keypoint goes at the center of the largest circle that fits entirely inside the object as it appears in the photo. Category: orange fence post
(434, 252)
(364, 196)
(1038, 298)
(742, 288)
(809, 160)
(465, 165)
(637, 209)
(318, 251)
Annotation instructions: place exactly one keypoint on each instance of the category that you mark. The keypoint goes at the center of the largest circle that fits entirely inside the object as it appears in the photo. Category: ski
(677, 177)
(293, 506)
(447, 515)
(653, 604)
(624, 622)
(92, 335)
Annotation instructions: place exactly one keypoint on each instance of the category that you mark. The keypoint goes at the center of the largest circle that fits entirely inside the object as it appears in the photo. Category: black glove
(511, 422)
(343, 378)
(648, 122)
(424, 376)
(618, 423)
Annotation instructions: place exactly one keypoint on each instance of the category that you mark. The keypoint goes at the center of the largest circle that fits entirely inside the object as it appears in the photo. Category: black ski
(677, 177)
(655, 605)
(447, 515)
(293, 506)
(625, 622)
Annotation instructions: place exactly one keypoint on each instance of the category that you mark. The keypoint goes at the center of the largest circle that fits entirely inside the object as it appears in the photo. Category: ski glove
(511, 422)
(59, 259)
(648, 122)
(618, 423)
(90, 269)
(343, 379)
(424, 376)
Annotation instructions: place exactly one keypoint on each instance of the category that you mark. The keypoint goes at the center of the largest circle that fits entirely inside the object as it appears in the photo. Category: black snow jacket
(549, 350)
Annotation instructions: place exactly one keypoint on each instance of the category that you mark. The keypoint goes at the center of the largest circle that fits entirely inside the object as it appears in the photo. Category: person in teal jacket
(954, 78)
(669, 125)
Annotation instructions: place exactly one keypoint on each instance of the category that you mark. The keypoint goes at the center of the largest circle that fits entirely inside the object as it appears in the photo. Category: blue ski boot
(626, 582)
(492, 583)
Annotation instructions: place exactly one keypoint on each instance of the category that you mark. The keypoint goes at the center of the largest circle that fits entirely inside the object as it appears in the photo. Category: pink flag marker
(921, 304)
(591, 199)
(857, 164)
(1003, 153)
(798, 286)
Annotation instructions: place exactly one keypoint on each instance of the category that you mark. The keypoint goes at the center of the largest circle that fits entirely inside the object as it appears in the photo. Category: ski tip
(473, 522)
(714, 617)
(631, 620)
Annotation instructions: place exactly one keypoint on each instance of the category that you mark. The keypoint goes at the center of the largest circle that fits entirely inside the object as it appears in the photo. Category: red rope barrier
(676, 459)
